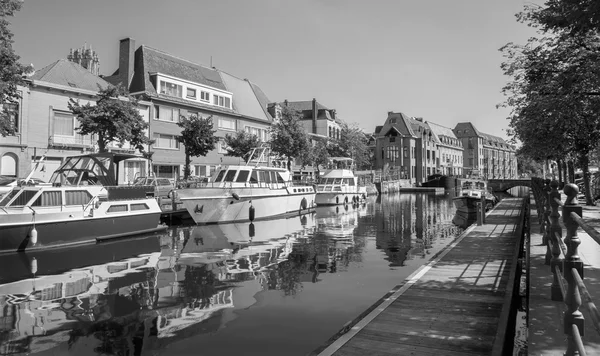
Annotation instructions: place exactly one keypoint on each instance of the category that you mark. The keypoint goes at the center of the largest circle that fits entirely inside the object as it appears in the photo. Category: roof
(248, 99)
(69, 74)
(305, 105)
(466, 129)
(440, 130)
(402, 126)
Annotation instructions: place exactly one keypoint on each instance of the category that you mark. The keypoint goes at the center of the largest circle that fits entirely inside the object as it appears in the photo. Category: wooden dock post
(555, 236)
(572, 261)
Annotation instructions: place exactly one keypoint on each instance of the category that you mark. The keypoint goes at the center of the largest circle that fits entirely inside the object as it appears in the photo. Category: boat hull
(214, 206)
(339, 198)
(75, 231)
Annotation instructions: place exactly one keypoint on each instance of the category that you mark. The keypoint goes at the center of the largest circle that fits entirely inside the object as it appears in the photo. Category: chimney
(126, 56)
(314, 116)
(420, 119)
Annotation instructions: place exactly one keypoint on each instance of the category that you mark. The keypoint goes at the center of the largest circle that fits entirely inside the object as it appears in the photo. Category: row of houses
(415, 149)
(169, 87)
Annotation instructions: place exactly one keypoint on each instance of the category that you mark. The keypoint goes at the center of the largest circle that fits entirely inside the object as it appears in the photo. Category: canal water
(278, 287)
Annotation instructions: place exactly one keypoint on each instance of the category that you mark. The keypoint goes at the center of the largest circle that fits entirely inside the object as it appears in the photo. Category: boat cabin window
(273, 177)
(243, 176)
(77, 197)
(264, 176)
(254, 177)
(279, 178)
(229, 176)
(117, 208)
(8, 197)
(350, 181)
(337, 181)
(142, 206)
(220, 176)
(51, 198)
(22, 199)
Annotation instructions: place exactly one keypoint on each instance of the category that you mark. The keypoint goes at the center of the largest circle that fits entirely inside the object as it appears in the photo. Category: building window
(170, 89)
(166, 113)
(64, 123)
(392, 153)
(221, 101)
(227, 124)
(13, 114)
(204, 96)
(165, 141)
(405, 152)
(262, 134)
(191, 114)
(190, 93)
(222, 147)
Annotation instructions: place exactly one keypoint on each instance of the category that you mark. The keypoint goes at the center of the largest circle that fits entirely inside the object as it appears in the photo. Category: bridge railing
(563, 257)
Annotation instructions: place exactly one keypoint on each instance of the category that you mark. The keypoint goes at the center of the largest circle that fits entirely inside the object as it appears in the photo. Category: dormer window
(222, 101)
(191, 93)
(170, 89)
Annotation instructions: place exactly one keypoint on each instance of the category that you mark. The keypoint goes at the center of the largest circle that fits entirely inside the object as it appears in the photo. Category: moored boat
(339, 185)
(82, 203)
(254, 191)
(471, 193)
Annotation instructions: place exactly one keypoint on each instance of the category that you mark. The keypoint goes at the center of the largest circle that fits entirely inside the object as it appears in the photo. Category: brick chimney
(126, 57)
(314, 116)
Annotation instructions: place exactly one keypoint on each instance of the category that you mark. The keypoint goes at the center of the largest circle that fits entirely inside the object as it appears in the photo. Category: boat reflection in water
(182, 286)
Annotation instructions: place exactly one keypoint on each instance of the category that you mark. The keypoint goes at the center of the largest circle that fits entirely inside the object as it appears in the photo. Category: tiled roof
(440, 130)
(305, 105)
(402, 126)
(245, 101)
(66, 73)
(377, 129)
(462, 126)
(262, 99)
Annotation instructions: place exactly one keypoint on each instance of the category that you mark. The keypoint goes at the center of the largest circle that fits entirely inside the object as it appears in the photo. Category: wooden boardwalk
(458, 304)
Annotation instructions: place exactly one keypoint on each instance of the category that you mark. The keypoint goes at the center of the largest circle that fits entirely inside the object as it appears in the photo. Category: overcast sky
(436, 59)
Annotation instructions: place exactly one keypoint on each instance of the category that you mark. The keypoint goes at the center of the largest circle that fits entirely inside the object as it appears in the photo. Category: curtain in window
(64, 124)
(51, 199)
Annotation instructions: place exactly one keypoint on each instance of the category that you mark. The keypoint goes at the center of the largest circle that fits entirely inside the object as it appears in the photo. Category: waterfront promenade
(458, 304)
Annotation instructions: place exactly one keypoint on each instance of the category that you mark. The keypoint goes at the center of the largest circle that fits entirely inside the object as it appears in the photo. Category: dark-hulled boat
(82, 203)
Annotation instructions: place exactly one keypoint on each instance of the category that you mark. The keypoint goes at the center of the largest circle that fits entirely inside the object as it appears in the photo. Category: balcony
(71, 141)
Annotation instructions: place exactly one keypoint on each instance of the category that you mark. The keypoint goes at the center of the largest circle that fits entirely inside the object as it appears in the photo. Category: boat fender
(303, 204)
(235, 196)
(33, 267)
(251, 213)
(346, 200)
(33, 237)
(337, 200)
(251, 230)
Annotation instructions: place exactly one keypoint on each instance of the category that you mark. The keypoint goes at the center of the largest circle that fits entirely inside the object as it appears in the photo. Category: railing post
(555, 235)
(545, 225)
(572, 260)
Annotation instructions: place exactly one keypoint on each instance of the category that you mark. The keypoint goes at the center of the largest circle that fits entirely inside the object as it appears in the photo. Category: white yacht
(339, 185)
(252, 191)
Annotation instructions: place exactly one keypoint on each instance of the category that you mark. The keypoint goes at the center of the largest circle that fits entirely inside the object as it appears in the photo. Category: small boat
(254, 191)
(82, 203)
(339, 185)
(471, 193)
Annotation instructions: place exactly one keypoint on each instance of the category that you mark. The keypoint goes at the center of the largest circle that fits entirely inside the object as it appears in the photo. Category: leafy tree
(555, 89)
(198, 138)
(241, 144)
(317, 155)
(113, 118)
(11, 71)
(353, 144)
(288, 137)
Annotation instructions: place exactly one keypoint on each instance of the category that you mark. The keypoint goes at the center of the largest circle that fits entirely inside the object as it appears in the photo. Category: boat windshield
(84, 170)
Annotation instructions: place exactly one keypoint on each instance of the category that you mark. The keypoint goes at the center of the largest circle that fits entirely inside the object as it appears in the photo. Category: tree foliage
(198, 138)
(353, 144)
(554, 94)
(288, 137)
(11, 71)
(241, 144)
(114, 117)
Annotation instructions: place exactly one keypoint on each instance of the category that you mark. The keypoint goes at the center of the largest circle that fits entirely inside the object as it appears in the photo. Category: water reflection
(136, 296)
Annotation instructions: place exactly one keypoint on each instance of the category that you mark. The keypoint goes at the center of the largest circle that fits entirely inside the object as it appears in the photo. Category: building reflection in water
(191, 280)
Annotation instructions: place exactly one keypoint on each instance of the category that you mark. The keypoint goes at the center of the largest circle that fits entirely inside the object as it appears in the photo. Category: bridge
(502, 185)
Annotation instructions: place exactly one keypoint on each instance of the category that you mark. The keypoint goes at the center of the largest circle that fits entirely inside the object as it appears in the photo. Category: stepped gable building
(318, 121)
(45, 125)
(449, 150)
(395, 146)
(486, 155)
(178, 87)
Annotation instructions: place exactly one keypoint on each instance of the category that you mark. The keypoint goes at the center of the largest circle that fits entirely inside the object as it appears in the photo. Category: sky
(436, 59)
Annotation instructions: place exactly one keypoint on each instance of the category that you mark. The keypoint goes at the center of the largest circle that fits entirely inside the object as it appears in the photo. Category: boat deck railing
(563, 257)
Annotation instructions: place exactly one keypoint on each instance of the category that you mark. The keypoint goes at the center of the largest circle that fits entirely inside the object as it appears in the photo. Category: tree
(353, 144)
(11, 71)
(288, 137)
(114, 117)
(555, 89)
(241, 144)
(198, 138)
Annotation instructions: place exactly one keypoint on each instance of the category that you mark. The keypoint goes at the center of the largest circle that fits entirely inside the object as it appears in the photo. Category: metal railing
(563, 257)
